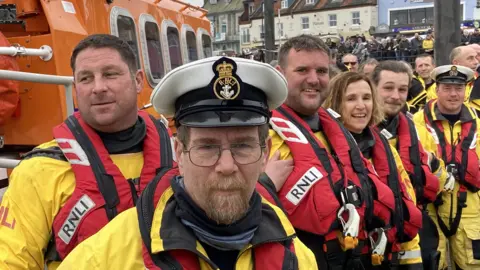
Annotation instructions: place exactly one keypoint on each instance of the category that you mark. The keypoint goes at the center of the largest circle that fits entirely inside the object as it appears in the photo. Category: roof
(332, 4)
(300, 6)
(258, 12)
(223, 7)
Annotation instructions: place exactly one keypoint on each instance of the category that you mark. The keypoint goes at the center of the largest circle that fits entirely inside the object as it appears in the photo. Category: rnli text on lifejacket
(303, 185)
(76, 215)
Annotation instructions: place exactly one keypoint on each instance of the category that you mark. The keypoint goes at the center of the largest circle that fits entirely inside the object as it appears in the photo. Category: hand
(278, 170)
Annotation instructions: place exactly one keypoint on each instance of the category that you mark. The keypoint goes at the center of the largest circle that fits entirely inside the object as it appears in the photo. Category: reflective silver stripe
(409, 254)
(439, 172)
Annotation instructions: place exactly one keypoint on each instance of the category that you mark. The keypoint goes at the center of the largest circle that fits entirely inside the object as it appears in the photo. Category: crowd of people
(295, 165)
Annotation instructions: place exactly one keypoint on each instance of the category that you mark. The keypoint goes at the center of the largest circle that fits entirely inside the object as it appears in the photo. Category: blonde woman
(354, 98)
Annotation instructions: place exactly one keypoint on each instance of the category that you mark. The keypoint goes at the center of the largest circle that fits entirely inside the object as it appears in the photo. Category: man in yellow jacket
(424, 65)
(464, 56)
(101, 158)
(210, 216)
(426, 172)
(449, 128)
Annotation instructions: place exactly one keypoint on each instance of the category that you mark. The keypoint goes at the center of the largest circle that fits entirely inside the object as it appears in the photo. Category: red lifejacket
(311, 193)
(407, 218)
(101, 191)
(188, 258)
(462, 160)
(464, 157)
(415, 161)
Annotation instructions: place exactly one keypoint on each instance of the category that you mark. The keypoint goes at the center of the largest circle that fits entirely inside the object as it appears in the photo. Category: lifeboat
(37, 40)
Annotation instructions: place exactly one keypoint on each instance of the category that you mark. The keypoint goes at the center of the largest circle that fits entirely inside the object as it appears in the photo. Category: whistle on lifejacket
(378, 246)
(350, 227)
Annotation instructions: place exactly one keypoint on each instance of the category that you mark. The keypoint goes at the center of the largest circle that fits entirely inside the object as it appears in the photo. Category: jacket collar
(466, 114)
(168, 233)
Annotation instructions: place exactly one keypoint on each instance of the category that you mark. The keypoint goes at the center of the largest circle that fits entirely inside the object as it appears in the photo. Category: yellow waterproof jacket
(430, 92)
(429, 142)
(39, 187)
(439, 172)
(427, 44)
(119, 244)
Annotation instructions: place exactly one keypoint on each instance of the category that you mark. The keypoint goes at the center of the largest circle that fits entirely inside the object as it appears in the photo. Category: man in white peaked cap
(209, 213)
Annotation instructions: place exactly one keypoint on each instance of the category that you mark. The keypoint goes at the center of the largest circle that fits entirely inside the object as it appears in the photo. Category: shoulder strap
(166, 152)
(321, 153)
(105, 182)
(268, 184)
(394, 184)
(414, 154)
(145, 210)
(441, 136)
(52, 152)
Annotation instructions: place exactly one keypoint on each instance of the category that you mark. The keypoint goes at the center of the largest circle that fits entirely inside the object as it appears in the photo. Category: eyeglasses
(209, 154)
(350, 63)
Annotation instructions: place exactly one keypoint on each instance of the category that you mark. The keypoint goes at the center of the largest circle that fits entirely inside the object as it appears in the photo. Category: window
(174, 47)
(250, 9)
(399, 17)
(207, 46)
(126, 31)
(245, 35)
(191, 47)
(310, 2)
(431, 18)
(154, 51)
(305, 23)
(332, 20)
(284, 4)
(356, 17)
(418, 15)
(262, 30)
(280, 29)
(223, 26)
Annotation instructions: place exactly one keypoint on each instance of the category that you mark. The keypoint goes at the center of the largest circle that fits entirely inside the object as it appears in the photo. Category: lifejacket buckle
(350, 227)
(378, 246)
(450, 183)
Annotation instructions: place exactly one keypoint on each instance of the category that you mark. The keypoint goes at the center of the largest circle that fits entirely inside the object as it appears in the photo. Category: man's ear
(139, 80)
(266, 157)
(178, 148)
(279, 68)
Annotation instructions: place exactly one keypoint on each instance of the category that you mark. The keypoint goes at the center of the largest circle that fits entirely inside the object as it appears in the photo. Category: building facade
(224, 16)
(405, 16)
(316, 17)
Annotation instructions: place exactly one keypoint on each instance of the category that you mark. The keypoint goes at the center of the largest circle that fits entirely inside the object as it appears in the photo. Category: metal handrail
(45, 52)
(66, 81)
(8, 163)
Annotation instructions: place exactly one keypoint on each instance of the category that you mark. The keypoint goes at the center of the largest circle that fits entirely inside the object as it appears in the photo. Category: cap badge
(226, 86)
(453, 71)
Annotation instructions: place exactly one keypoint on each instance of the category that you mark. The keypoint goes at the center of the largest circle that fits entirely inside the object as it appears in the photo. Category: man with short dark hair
(330, 173)
(449, 128)
(210, 215)
(102, 157)
(425, 170)
(424, 65)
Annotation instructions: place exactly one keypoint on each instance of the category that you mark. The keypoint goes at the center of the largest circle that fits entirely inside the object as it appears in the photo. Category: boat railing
(66, 81)
(45, 52)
